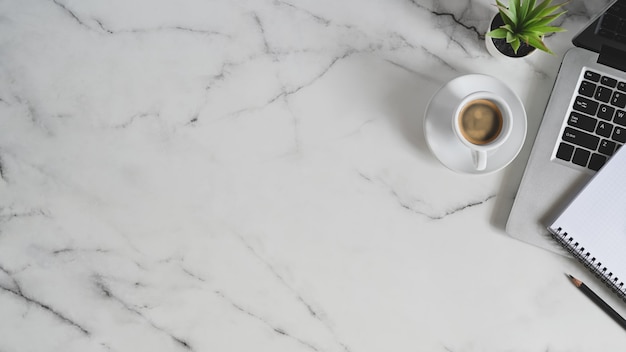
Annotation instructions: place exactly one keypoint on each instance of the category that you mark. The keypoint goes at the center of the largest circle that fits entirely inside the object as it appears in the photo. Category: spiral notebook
(593, 226)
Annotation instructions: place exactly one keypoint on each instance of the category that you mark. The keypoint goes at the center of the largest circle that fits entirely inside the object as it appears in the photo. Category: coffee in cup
(482, 122)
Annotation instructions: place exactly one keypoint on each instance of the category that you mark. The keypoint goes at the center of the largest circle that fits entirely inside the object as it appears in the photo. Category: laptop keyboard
(596, 125)
(613, 23)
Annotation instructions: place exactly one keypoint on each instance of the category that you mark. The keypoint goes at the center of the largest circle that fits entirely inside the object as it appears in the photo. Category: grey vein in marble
(108, 30)
(71, 13)
(107, 293)
(287, 93)
(18, 292)
(277, 330)
(312, 311)
(411, 206)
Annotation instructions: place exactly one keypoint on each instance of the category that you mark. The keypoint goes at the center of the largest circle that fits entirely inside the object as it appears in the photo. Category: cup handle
(480, 159)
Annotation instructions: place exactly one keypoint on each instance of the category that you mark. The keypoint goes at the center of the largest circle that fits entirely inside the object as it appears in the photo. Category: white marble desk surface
(252, 176)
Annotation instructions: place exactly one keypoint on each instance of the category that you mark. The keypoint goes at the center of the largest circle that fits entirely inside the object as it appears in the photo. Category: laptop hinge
(612, 57)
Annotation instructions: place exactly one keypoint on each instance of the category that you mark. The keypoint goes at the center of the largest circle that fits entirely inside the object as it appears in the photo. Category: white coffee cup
(482, 122)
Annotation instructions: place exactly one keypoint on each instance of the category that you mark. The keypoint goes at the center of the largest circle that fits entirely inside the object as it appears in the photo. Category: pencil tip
(576, 282)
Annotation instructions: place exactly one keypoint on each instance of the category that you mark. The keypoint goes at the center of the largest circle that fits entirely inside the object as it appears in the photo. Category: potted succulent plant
(518, 29)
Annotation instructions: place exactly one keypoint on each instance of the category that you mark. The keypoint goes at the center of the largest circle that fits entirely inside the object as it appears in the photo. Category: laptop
(583, 125)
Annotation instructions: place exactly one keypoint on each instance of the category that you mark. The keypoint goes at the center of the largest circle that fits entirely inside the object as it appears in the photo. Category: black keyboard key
(620, 38)
(620, 117)
(581, 138)
(619, 134)
(585, 105)
(606, 112)
(582, 121)
(592, 76)
(617, 9)
(596, 161)
(604, 129)
(606, 33)
(606, 147)
(581, 157)
(608, 81)
(618, 99)
(565, 151)
(609, 22)
(603, 94)
(587, 89)
(621, 86)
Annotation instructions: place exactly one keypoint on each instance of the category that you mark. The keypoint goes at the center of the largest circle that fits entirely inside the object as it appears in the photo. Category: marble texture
(252, 176)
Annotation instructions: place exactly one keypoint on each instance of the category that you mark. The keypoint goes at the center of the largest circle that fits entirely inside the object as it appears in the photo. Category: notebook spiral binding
(594, 265)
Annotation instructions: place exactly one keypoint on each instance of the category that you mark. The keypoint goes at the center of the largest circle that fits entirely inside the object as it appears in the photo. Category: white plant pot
(493, 50)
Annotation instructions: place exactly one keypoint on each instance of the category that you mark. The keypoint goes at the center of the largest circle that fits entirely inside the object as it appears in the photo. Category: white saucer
(438, 125)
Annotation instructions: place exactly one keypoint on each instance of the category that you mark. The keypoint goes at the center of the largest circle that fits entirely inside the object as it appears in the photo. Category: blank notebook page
(593, 225)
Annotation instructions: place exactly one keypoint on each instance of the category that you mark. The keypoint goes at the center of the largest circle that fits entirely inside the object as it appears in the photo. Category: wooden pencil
(598, 301)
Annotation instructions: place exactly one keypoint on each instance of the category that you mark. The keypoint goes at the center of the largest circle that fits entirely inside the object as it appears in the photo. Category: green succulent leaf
(514, 7)
(508, 28)
(537, 10)
(515, 45)
(549, 10)
(507, 16)
(510, 38)
(546, 29)
(527, 6)
(499, 33)
(544, 20)
(539, 44)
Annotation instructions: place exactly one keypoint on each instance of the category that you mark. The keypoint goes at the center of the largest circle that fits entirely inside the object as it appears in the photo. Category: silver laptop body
(549, 183)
